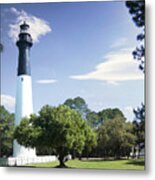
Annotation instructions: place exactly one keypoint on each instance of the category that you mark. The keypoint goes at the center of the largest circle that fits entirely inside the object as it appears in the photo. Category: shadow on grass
(61, 167)
(132, 162)
(64, 167)
(21, 166)
(98, 160)
(138, 163)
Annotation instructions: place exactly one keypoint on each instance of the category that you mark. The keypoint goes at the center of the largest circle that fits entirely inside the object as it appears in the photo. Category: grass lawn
(98, 164)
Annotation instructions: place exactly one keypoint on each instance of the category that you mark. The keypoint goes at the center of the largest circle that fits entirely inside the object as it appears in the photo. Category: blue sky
(80, 49)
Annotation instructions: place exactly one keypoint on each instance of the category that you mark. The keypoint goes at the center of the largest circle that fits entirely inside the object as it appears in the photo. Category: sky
(80, 49)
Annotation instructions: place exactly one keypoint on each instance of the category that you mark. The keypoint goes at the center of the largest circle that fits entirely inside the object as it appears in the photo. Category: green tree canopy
(109, 114)
(114, 135)
(78, 104)
(137, 11)
(93, 119)
(139, 126)
(60, 129)
(115, 138)
(6, 132)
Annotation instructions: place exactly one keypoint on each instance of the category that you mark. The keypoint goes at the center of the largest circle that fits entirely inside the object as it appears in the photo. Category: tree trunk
(61, 161)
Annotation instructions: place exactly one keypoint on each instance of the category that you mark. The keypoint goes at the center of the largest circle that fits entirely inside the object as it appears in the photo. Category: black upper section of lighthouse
(24, 44)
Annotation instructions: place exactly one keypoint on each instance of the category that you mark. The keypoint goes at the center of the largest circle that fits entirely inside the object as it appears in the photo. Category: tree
(91, 140)
(109, 114)
(114, 135)
(139, 126)
(60, 129)
(129, 139)
(79, 105)
(137, 11)
(102, 141)
(115, 138)
(6, 132)
(92, 119)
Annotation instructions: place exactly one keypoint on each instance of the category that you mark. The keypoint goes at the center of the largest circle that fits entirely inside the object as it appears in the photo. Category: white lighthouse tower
(24, 104)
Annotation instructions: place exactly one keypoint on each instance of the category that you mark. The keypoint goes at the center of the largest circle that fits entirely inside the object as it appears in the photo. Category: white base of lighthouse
(22, 152)
(24, 107)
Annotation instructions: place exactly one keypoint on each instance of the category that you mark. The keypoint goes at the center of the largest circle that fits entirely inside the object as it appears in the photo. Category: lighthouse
(24, 103)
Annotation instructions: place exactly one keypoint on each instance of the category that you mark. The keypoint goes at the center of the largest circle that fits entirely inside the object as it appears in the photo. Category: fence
(19, 161)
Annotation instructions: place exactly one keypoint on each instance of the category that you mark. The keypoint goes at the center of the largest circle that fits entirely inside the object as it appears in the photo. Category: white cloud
(8, 102)
(46, 81)
(38, 27)
(15, 11)
(116, 67)
(119, 43)
(129, 109)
